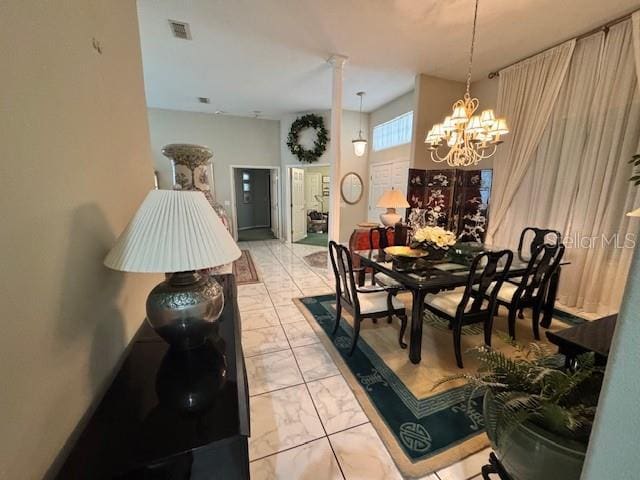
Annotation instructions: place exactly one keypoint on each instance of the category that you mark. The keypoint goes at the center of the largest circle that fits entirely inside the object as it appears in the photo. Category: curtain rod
(602, 28)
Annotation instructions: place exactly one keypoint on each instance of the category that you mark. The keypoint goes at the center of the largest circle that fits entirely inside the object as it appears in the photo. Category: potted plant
(538, 414)
(435, 240)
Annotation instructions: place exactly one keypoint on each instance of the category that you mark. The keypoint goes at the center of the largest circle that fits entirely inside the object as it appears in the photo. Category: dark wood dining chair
(541, 236)
(477, 303)
(531, 289)
(361, 302)
(526, 250)
(381, 238)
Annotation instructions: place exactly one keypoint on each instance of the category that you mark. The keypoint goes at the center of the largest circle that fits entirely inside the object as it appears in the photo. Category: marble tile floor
(306, 424)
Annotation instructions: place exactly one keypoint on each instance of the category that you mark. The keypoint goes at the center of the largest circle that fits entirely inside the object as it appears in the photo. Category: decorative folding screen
(454, 199)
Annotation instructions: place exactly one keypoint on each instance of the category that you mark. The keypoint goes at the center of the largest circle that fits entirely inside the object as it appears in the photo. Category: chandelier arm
(438, 158)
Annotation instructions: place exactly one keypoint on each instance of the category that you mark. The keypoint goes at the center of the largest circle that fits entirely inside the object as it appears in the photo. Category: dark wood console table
(172, 415)
(592, 336)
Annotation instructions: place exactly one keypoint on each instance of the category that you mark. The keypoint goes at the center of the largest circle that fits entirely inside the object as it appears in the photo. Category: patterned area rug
(424, 429)
(244, 270)
(317, 259)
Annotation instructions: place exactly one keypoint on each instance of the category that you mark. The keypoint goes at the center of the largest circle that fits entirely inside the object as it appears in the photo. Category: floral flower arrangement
(433, 238)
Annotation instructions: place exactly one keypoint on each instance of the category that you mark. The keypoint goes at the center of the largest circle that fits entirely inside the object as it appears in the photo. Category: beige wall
(350, 215)
(234, 141)
(486, 90)
(76, 165)
(433, 100)
(403, 104)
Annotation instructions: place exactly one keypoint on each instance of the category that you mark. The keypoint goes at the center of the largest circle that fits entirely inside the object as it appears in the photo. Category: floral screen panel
(471, 205)
(454, 199)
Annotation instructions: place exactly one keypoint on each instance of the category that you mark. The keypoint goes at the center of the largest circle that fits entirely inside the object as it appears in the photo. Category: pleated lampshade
(173, 231)
(392, 199)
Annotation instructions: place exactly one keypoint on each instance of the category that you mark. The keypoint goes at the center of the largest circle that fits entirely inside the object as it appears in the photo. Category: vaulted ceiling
(270, 55)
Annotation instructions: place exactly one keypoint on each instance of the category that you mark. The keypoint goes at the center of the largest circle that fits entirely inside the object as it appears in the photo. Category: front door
(298, 212)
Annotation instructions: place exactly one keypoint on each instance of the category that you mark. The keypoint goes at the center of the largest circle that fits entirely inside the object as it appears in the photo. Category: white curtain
(526, 95)
(578, 179)
(635, 20)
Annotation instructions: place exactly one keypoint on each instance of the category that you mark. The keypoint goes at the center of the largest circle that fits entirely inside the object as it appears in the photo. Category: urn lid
(187, 154)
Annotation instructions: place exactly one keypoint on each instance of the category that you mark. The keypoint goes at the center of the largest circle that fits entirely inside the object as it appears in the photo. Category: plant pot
(528, 452)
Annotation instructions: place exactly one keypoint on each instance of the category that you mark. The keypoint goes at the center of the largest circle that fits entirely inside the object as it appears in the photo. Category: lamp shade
(173, 231)
(359, 146)
(634, 213)
(392, 199)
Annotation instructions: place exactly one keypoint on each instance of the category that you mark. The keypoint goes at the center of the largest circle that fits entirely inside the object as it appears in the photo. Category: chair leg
(356, 334)
(403, 328)
(512, 322)
(535, 321)
(390, 307)
(338, 315)
(457, 335)
(488, 328)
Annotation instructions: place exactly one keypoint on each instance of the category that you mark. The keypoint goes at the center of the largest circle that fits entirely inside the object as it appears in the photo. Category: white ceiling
(270, 55)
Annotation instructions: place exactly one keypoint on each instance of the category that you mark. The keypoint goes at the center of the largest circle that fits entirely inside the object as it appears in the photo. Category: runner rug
(424, 429)
(244, 270)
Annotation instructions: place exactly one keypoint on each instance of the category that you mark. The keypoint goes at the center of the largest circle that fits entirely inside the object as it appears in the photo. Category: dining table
(421, 276)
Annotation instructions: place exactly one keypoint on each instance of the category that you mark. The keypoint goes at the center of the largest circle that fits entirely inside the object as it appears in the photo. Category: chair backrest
(541, 236)
(343, 271)
(486, 269)
(542, 265)
(388, 236)
(381, 234)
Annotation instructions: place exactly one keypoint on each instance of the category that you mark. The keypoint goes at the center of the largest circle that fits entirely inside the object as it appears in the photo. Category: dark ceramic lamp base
(184, 309)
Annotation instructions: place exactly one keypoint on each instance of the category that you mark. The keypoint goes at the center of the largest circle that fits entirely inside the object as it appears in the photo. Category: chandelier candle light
(360, 144)
(468, 137)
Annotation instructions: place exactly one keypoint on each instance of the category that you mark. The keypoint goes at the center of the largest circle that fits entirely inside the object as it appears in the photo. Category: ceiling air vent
(180, 29)
(204, 99)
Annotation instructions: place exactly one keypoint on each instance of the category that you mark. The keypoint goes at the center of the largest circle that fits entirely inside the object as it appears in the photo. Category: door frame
(287, 190)
(234, 210)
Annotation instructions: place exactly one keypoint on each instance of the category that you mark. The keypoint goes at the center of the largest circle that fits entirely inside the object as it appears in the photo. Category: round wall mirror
(351, 188)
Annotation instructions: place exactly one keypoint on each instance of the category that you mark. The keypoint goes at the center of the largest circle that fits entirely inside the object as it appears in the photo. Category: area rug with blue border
(424, 428)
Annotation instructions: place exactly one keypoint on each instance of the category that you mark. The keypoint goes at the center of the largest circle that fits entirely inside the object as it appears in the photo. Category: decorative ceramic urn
(192, 170)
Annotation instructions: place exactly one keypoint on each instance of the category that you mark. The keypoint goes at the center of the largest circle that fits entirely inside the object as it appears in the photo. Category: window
(396, 131)
(246, 187)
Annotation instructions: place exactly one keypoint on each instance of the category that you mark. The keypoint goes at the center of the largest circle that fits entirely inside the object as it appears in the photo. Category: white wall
(234, 141)
(76, 165)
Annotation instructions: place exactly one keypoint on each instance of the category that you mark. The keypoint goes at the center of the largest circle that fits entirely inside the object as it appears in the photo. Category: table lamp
(391, 199)
(177, 232)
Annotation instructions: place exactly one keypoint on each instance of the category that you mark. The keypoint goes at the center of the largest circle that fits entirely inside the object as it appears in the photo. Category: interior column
(337, 61)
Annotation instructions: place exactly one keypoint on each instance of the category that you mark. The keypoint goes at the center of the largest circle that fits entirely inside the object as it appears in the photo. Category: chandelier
(464, 138)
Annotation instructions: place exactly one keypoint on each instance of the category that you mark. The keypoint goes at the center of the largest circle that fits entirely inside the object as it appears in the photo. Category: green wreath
(319, 145)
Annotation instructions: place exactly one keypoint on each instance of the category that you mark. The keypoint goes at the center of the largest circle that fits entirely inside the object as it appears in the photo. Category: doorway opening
(255, 203)
(308, 199)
